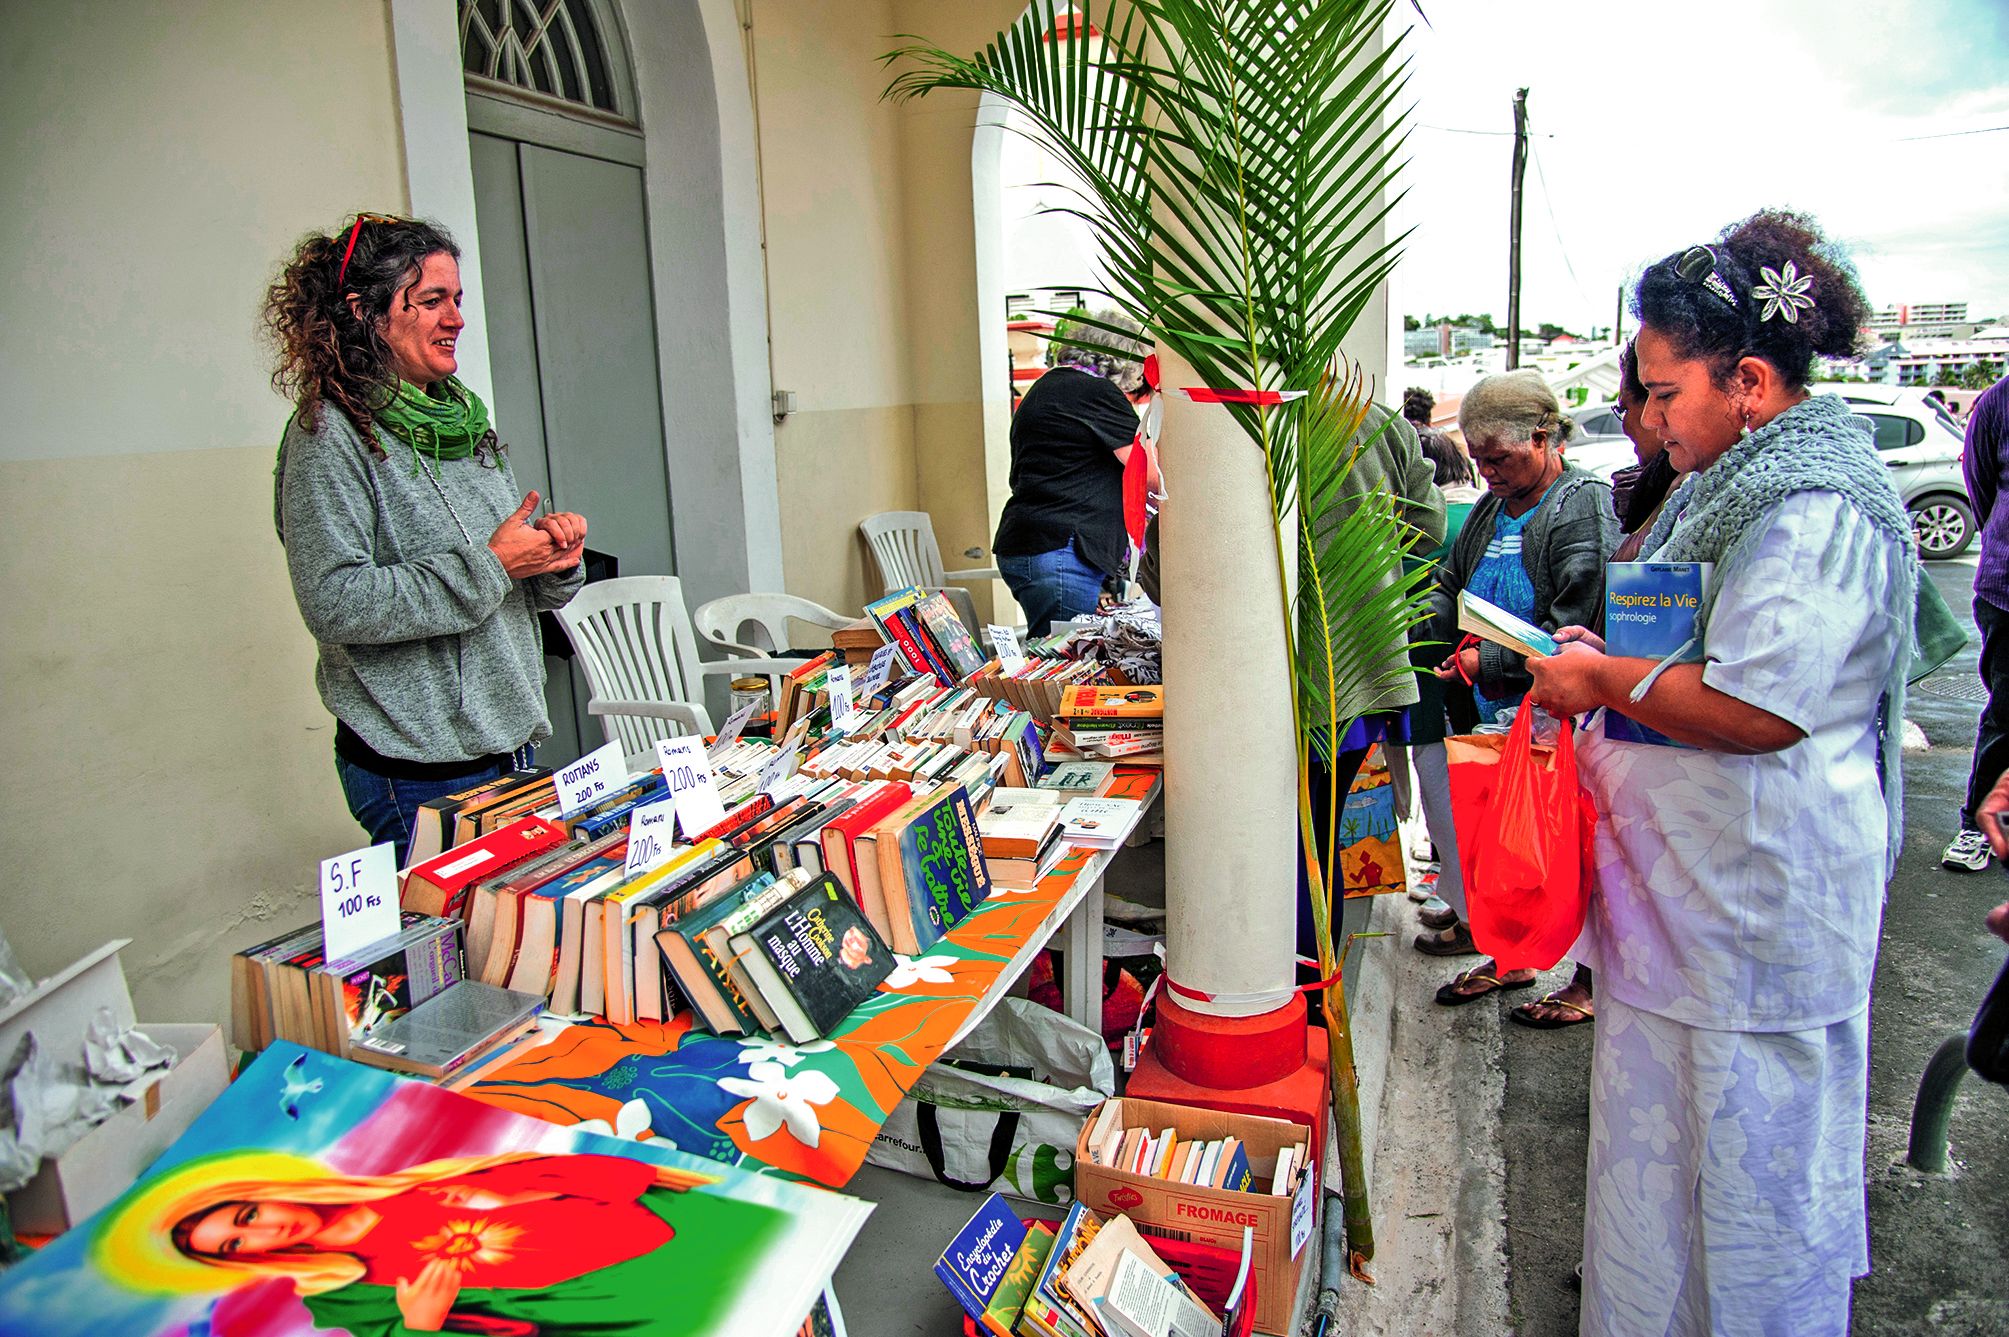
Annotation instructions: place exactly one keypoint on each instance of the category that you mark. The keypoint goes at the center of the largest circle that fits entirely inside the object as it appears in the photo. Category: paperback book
(1649, 613)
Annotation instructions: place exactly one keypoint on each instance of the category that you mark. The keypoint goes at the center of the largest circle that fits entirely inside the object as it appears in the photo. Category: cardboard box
(1284, 1226)
(104, 1162)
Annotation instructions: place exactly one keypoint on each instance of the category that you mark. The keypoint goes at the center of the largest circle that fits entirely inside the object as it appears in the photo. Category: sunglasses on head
(1698, 265)
(354, 232)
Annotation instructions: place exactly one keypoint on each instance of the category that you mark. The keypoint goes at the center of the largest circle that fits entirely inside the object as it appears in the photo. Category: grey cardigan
(428, 650)
(1563, 549)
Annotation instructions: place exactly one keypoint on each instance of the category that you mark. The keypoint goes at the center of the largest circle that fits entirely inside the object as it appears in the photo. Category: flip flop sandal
(1525, 1013)
(1449, 995)
(1458, 944)
(1445, 917)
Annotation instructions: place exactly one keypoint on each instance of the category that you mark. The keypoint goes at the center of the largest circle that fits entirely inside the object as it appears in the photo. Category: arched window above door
(563, 52)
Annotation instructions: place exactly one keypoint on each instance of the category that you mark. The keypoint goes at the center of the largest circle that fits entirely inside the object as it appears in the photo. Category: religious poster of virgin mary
(320, 1196)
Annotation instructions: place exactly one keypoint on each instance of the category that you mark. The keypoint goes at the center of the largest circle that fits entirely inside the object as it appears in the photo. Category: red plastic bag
(1524, 842)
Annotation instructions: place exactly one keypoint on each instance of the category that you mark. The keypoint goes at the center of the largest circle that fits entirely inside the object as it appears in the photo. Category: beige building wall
(871, 283)
(167, 770)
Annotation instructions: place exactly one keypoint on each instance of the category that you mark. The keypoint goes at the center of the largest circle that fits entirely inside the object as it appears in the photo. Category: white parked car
(1918, 440)
(1921, 444)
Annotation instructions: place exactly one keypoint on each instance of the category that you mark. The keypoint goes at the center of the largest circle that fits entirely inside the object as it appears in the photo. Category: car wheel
(1943, 525)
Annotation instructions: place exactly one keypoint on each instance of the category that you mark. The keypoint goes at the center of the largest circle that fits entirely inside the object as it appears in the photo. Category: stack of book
(568, 921)
(1020, 830)
(1110, 723)
(789, 955)
(1034, 684)
(402, 1002)
(931, 637)
(460, 817)
(1085, 1277)
(1216, 1163)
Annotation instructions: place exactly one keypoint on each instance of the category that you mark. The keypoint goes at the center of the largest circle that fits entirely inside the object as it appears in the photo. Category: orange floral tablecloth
(808, 1111)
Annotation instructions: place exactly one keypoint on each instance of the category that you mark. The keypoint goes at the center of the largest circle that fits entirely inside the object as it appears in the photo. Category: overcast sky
(1659, 123)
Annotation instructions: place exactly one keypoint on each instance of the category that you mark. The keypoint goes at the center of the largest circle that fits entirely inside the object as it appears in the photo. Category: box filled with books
(1139, 1158)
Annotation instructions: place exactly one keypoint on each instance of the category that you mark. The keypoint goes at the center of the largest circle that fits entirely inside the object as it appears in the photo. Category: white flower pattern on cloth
(763, 1050)
(1762, 1132)
(1653, 1127)
(630, 1122)
(911, 970)
(1784, 292)
(1636, 956)
(782, 1101)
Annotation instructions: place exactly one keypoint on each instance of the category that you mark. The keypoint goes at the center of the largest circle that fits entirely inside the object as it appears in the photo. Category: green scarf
(447, 426)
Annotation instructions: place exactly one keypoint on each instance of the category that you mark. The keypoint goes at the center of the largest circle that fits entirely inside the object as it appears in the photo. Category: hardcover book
(439, 886)
(1000, 1316)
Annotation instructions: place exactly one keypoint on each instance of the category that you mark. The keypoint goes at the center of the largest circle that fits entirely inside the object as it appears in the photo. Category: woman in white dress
(1740, 877)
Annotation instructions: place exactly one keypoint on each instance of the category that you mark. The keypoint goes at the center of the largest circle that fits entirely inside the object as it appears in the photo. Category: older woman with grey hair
(1534, 545)
(1060, 541)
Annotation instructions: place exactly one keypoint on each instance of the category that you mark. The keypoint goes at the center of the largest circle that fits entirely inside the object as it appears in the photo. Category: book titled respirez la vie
(1649, 613)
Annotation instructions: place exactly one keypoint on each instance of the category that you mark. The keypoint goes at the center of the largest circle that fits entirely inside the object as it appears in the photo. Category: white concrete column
(1230, 755)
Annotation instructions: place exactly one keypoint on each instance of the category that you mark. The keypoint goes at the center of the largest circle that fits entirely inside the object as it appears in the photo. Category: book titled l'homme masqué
(814, 959)
(1649, 613)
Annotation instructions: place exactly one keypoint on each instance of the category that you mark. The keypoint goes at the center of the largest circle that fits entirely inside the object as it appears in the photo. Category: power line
(1953, 134)
(1549, 204)
(1460, 130)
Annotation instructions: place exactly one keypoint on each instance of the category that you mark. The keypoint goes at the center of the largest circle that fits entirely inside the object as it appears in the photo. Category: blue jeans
(385, 807)
(1051, 586)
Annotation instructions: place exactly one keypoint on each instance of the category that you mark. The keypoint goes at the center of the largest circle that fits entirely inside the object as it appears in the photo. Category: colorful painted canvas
(319, 1196)
(1370, 842)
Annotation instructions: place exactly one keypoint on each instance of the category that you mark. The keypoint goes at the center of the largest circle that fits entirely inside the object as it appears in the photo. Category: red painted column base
(1207, 1061)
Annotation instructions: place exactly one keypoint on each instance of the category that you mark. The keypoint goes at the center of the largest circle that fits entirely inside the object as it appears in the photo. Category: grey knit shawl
(1818, 445)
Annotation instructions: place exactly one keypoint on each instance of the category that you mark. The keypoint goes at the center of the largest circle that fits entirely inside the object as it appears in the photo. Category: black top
(1066, 482)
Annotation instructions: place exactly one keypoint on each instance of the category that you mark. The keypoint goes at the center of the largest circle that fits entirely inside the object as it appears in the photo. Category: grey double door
(572, 346)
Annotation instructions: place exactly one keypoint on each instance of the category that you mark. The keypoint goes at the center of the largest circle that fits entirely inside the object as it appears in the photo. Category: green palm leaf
(1236, 167)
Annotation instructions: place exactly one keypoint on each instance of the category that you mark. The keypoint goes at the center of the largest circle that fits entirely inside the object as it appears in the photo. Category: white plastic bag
(1003, 1109)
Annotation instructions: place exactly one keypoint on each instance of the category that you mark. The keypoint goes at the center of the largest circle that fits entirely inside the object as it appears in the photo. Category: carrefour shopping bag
(1524, 841)
(1003, 1109)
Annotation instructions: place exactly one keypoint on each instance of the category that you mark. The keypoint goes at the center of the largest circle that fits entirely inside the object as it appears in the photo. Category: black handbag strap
(1002, 1137)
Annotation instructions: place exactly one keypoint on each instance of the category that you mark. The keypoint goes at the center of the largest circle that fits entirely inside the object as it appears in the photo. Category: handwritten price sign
(841, 707)
(591, 778)
(692, 787)
(779, 767)
(649, 836)
(880, 671)
(359, 900)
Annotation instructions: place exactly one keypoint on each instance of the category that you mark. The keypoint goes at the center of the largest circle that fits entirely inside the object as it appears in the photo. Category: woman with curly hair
(417, 565)
(1740, 877)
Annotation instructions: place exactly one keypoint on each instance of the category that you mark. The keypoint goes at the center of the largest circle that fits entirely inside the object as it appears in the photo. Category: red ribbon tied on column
(1201, 394)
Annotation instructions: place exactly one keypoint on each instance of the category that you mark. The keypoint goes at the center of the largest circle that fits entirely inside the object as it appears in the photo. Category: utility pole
(1618, 321)
(1514, 231)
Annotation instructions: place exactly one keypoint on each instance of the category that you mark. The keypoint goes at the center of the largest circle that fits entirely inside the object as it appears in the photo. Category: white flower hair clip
(1784, 292)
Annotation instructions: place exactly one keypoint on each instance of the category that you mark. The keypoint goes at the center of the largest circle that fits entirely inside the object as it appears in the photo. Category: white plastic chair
(753, 628)
(904, 545)
(635, 643)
